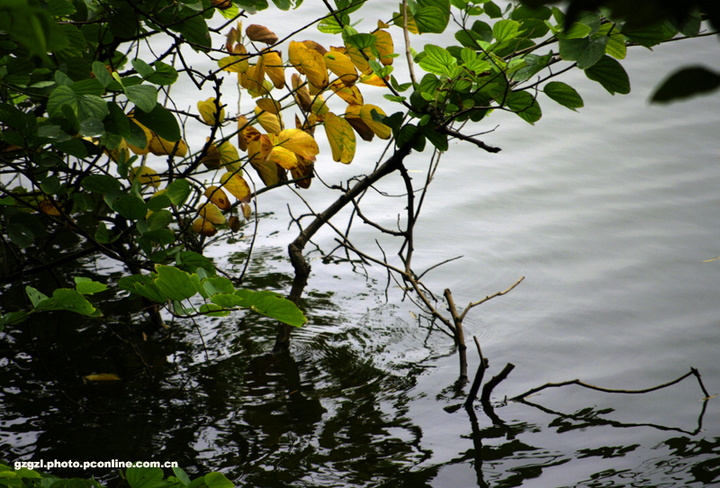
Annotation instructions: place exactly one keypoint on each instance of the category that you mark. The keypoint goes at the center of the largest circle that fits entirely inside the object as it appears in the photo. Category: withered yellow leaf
(274, 68)
(341, 66)
(204, 227)
(101, 377)
(208, 112)
(260, 33)
(212, 157)
(269, 121)
(319, 107)
(211, 213)
(303, 170)
(350, 94)
(301, 93)
(242, 125)
(49, 207)
(299, 142)
(235, 63)
(218, 197)
(236, 185)
(310, 63)
(341, 138)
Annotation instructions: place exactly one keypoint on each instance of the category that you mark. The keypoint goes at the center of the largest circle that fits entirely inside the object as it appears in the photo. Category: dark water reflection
(351, 406)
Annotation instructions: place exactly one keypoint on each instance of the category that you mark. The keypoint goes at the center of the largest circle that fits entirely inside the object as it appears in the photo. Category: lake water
(609, 213)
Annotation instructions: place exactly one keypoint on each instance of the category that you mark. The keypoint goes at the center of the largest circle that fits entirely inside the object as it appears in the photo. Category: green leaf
(72, 301)
(160, 120)
(649, 35)
(685, 83)
(272, 305)
(164, 74)
(86, 286)
(217, 480)
(130, 207)
(586, 52)
(227, 300)
(174, 283)
(143, 96)
(218, 284)
(142, 68)
(142, 285)
(438, 60)
(36, 297)
(431, 20)
(181, 475)
(611, 75)
(178, 191)
(191, 261)
(505, 30)
(213, 310)
(195, 30)
(144, 477)
(101, 184)
(524, 105)
(563, 94)
(61, 96)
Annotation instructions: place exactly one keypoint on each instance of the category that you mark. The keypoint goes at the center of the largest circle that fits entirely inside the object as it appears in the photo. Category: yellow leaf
(234, 63)
(162, 147)
(374, 80)
(283, 158)
(229, 156)
(212, 157)
(146, 176)
(234, 223)
(233, 36)
(360, 62)
(342, 66)
(204, 227)
(254, 80)
(242, 124)
(310, 63)
(247, 211)
(211, 213)
(260, 33)
(141, 151)
(304, 170)
(299, 142)
(380, 129)
(350, 94)
(269, 105)
(270, 122)
(218, 197)
(341, 138)
(101, 377)
(319, 107)
(384, 46)
(49, 207)
(208, 112)
(357, 123)
(274, 68)
(382, 25)
(236, 185)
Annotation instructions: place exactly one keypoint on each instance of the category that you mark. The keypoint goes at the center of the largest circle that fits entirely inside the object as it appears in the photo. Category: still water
(609, 213)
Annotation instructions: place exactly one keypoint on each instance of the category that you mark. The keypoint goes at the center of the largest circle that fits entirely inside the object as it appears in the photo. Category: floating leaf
(218, 197)
(341, 138)
(208, 112)
(236, 185)
(101, 377)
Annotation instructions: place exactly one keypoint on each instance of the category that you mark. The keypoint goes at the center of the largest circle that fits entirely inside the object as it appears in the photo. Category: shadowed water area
(610, 214)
